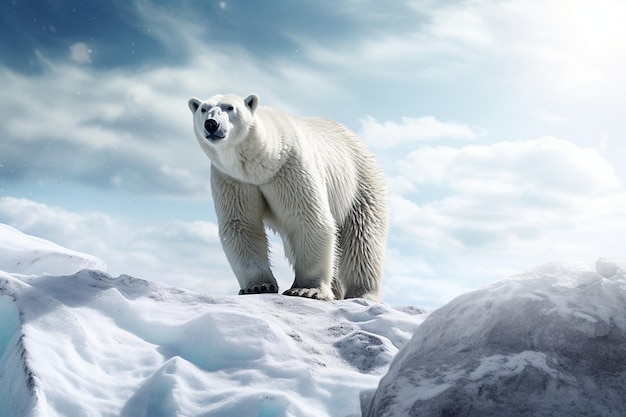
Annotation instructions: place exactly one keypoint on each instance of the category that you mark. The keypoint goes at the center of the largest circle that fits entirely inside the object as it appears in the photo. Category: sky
(499, 124)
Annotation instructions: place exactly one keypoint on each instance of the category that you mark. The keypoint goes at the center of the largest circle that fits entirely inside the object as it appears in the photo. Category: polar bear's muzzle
(215, 129)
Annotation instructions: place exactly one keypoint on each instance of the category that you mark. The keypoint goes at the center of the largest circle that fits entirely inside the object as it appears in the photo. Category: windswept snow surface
(30, 255)
(77, 342)
(87, 344)
(550, 342)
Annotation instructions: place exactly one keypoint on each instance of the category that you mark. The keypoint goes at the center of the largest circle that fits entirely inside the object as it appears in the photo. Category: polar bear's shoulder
(287, 123)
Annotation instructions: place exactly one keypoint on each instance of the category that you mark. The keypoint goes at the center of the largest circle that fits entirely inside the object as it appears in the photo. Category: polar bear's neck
(260, 156)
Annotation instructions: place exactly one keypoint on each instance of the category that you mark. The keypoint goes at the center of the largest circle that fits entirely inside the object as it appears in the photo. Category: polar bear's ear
(193, 104)
(252, 101)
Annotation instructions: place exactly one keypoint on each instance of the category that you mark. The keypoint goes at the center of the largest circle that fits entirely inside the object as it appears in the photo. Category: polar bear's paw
(260, 289)
(314, 293)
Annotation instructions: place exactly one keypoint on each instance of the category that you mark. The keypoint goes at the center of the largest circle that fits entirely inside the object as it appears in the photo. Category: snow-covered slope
(551, 342)
(24, 254)
(77, 342)
(87, 344)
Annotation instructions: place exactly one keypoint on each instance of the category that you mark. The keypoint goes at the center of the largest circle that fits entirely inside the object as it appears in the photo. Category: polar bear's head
(223, 118)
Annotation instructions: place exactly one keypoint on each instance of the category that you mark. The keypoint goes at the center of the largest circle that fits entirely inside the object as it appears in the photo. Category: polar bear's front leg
(311, 249)
(312, 255)
(298, 201)
(240, 208)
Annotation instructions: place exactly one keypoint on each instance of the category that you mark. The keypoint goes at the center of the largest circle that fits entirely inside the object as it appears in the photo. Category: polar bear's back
(345, 163)
(324, 137)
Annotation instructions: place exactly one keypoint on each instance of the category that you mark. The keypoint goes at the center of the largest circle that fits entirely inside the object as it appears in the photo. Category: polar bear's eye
(229, 108)
(203, 110)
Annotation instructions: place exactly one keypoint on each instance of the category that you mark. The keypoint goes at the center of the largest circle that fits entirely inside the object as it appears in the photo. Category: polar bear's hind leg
(362, 244)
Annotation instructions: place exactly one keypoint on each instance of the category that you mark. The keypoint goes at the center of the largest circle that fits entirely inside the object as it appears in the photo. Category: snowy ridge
(98, 345)
(90, 344)
(30, 255)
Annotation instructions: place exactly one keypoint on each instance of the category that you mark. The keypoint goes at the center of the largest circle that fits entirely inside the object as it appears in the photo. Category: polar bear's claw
(314, 293)
(260, 289)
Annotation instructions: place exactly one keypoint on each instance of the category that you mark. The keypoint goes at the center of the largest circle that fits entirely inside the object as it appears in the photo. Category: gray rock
(551, 342)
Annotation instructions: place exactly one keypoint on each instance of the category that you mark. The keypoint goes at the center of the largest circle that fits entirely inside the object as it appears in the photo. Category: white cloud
(185, 254)
(96, 127)
(547, 164)
(479, 211)
(411, 130)
(465, 24)
(445, 40)
(558, 50)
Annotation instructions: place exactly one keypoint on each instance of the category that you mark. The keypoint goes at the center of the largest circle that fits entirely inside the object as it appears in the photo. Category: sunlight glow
(600, 23)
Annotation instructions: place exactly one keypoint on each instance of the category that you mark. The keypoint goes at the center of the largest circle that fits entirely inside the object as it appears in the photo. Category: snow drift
(31, 255)
(550, 342)
(89, 344)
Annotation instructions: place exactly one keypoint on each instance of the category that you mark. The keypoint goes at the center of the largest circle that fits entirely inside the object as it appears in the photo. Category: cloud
(515, 189)
(538, 166)
(101, 129)
(185, 254)
(412, 130)
(426, 40)
(464, 24)
(482, 210)
(556, 49)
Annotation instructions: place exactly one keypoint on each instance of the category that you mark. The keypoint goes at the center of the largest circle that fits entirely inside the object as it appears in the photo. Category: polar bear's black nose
(211, 125)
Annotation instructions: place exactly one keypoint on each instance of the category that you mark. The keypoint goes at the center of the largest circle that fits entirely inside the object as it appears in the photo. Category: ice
(550, 342)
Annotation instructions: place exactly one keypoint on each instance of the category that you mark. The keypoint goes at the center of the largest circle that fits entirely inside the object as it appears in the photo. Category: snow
(75, 341)
(550, 342)
(34, 256)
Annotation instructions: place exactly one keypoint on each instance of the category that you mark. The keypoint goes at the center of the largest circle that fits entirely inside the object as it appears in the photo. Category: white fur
(309, 179)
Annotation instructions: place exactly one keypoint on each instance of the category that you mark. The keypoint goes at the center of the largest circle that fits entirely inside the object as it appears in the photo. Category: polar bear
(311, 180)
